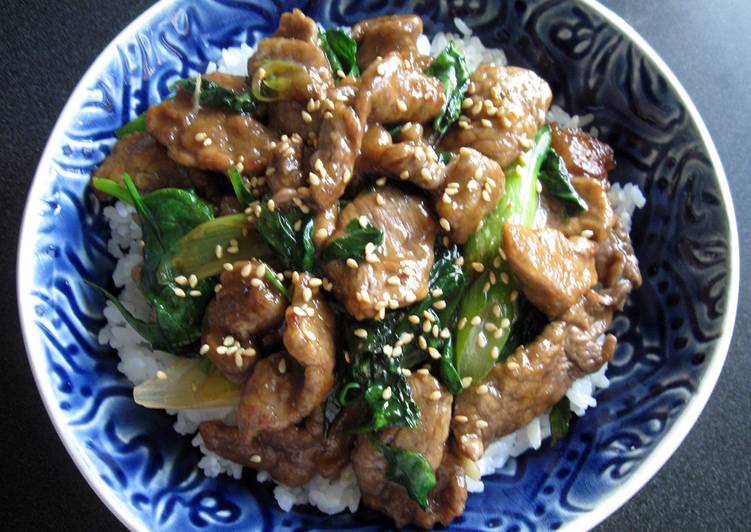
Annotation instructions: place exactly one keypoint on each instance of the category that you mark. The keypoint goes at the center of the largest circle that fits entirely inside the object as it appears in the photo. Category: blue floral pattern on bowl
(673, 334)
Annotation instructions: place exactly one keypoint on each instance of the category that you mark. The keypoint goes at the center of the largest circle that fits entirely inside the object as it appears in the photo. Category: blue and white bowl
(674, 333)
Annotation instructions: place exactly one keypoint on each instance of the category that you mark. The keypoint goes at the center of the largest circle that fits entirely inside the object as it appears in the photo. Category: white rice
(139, 363)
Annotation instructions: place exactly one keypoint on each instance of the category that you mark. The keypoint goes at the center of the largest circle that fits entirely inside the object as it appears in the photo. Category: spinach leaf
(451, 69)
(409, 469)
(148, 331)
(244, 196)
(560, 418)
(136, 125)
(353, 243)
(289, 234)
(341, 50)
(527, 324)
(371, 370)
(167, 215)
(555, 178)
(444, 157)
(214, 95)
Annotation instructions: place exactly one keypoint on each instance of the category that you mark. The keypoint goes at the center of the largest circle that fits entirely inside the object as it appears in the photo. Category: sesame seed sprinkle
(386, 395)
(179, 292)
(181, 280)
(204, 349)
(435, 395)
(161, 375)
(256, 459)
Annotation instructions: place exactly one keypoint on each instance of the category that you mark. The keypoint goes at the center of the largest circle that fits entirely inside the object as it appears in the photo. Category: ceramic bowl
(674, 332)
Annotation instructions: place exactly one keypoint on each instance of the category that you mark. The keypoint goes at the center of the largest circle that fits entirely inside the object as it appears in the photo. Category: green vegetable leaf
(528, 323)
(282, 229)
(518, 205)
(195, 252)
(451, 69)
(148, 331)
(556, 180)
(352, 244)
(409, 469)
(214, 95)
(341, 50)
(166, 215)
(136, 125)
(444, 157)
(493, 296)
(113, 188)
(244, 196)
(560, 418)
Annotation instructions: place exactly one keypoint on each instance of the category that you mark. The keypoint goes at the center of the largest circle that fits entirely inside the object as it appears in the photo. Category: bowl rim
(606, 507)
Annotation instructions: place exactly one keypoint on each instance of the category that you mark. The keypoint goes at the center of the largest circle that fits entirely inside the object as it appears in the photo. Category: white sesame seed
(256, 283)
(271, 205)
(218, 251)
(406, 372)
(460, 418)
(495, 352)
(434, 353)
(380, 200)
(435, 395)
(467, 382)
(587, 233)
(181, 280)
(306, 117)
(207, 142)
(256, 459)
(363, 221)
(352, 263)
(195, 293)
(445, 224)
(393, 280)
(200, 136)
(481, 424)
(179, 292)
(478, 266)
(440, 304)
(361, 333)
(462, 323)
(514, 295)
(505, 323)
(504, 278)
(204, 349)
(228, 266)
(386, 395)
(282, 367)
(221, 350)
(422, 342)
(423, 371)
(161, 375)
(388, 350)
(482, 341)
(414, 319)
(482, 389)
(307, 294)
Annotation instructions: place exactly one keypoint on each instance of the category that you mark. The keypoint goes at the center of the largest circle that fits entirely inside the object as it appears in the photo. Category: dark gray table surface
(46, 47)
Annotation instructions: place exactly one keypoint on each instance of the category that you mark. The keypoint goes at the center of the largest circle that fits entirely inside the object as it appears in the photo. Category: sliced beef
(553, 270)
(599, 217)
(286, 387)
(146, 161)
(380, 36)
(332, 164)
(286, 168)
(447, 499)
(582, 153)
(289, 117)
(246, 306)
(474, 186)
(394, 274)
(313, 76)
(210, 138)
(292, 456)
(395, 89)
(295, 25)
(413, 159)
(536, 376)
(501, 114)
